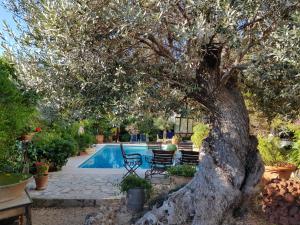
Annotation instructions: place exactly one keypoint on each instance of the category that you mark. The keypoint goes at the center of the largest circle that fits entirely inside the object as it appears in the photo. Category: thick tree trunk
(229, 168)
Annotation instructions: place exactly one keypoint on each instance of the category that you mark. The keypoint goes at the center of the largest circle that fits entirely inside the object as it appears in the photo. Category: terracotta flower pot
(180, 180)
(100, 139)
(41, 181)
(11, 190)
(27, 137)
(83, 153)
(281, 172)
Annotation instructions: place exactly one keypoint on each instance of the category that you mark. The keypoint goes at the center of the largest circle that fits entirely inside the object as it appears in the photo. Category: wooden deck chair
(185, 146)
(189, 157)
(160, 162)
(131, 161)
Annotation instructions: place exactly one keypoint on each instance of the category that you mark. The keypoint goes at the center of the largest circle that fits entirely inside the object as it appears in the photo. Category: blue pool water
(110, 156)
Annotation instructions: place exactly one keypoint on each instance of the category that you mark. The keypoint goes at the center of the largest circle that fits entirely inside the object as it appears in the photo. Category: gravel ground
(76, 216)
(61, 216)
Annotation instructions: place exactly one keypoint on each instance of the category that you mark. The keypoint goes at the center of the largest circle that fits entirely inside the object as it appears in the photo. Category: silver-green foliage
(119, 55)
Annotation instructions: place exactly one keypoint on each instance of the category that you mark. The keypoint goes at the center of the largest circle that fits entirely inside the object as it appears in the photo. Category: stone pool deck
(73, 186)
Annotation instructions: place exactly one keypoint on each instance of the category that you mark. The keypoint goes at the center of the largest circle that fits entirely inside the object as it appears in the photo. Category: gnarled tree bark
(229, 168)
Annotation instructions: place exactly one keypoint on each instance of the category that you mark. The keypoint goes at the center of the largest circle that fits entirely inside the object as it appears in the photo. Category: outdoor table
(18, 207)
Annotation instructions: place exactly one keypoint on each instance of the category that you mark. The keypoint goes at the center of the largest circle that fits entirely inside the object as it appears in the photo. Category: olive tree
(115, 54)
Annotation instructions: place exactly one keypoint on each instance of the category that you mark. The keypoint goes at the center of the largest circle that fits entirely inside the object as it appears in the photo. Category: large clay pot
(100, 139)
(281, 172)
(83, 153)
(136, 199)
(11, 190)
(180, 180)
(41, 181)
(27, 137)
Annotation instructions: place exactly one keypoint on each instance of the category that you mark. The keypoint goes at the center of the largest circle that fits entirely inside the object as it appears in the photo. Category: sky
(7, 16)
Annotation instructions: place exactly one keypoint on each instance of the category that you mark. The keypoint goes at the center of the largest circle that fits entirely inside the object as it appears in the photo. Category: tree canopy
(123, 55)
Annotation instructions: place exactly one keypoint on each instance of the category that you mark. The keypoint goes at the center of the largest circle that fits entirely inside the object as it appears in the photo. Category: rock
(112, 215)
(93, 219)
(282, 205)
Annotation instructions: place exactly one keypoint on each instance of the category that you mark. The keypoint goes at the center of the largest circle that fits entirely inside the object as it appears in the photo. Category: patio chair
(154, 146)
(185, 146)
(160, 162)
(131, 161)
(143, 138)
(134, 138)
(189, 157)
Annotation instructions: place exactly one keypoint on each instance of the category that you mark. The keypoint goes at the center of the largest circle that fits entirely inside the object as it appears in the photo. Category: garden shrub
(163, 123)
(17, 115)
(294, 155)
(201, 131)
(53, 148)
(70, 132)
(270, 151)
(182, 170)
(58, 152)
(125, 137)
(84, 140)
(147, 126)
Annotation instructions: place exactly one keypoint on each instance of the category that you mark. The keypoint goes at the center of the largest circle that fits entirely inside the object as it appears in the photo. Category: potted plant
(181, 174)
(103, 130)
(12, 185)
(100, 138)
(137, 189)
(176, 139)
(84, 142)
(275, 159)
(41, 175)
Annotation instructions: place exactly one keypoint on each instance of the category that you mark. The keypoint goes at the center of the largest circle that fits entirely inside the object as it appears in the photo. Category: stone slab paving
(78, 186)
(66, 189)
(75, 186)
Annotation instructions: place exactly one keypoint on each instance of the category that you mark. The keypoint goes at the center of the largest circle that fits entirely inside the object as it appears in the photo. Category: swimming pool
(110, 156)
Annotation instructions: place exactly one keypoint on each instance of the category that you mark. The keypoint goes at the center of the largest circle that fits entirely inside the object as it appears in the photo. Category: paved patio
(75, 186)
